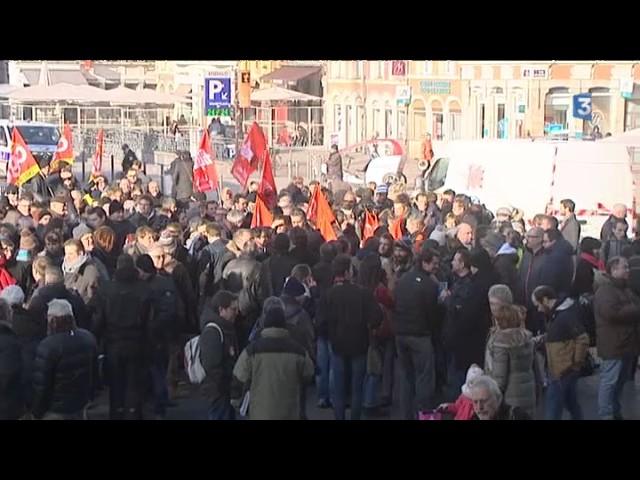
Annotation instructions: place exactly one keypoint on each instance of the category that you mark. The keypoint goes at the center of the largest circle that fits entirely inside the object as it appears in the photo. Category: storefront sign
(582, 106)
(521, 109)
(399, 68)
(626, 87)
(436, 87)
(403, 95)
(530, 72)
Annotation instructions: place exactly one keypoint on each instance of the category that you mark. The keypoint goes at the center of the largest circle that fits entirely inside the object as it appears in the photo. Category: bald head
(620, 210)
(465, 234)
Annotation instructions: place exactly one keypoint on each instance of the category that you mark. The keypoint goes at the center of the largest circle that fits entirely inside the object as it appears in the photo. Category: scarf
(6, 279)
(506, 249)
(75, 266)
(593, 261)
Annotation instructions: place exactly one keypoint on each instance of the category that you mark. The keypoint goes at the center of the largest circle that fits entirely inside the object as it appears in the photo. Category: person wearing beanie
(123, 315)
(162, 331)
(462, 409)
(277, 369)
(63, 366)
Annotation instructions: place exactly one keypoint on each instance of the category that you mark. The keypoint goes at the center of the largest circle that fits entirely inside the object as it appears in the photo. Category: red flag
(321, 214)
(370, 224)
(97, 158)
(22, 167)
(262, 216)
(251, 155)
(64, 151)
(267, 186)
(205, 176)
(395, 228)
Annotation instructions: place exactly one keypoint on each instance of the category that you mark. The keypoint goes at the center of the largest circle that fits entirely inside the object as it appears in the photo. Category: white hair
(490, 385)
(13, 294)
(59, 308)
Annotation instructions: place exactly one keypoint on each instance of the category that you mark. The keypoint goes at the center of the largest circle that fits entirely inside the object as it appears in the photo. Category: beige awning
(279, 94)
(61, 92)
(128, 96)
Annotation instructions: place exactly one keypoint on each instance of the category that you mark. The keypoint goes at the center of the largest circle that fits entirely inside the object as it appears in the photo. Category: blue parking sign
(217, 92)
(582, 106)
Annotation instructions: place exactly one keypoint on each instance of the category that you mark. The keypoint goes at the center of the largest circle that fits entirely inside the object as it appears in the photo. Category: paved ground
(191, 406)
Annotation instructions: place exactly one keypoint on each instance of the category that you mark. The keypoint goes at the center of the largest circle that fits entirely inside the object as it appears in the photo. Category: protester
(489, 403)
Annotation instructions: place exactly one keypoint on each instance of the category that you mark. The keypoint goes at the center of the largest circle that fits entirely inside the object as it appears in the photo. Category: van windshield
(438, 174)
(34, 135)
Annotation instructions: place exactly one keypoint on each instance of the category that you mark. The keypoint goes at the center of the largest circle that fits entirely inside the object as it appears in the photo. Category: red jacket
(383, 295)
(462, 409)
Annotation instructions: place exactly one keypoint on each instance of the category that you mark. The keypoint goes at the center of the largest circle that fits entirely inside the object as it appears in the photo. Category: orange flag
(22, 167)
(370, 224)
(395, 228)
(64, 151)
(205, 176)
(262, 216)
(321, 214)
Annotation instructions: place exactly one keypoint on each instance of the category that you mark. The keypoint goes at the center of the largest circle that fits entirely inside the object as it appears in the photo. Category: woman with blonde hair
(509, 352)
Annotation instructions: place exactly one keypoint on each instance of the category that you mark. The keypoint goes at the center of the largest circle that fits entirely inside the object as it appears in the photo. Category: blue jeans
(158, 370)
(563, 393)
(378, 389)
(371, 385)
(613, 375)
(221, 409)
(417, 374)
(337, 381)
(324, 367)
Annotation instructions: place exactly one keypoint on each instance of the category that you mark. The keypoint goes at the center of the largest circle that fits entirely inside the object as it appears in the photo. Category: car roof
(22, 123)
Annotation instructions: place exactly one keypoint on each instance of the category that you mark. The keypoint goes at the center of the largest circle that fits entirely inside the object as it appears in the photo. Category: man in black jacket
(218, 353)
(530, 276)
(558, 262)
(181, 171)
(414, 320)
(63, 368)
(278, 266)
(11, 388)
(351, 312)
(123, 313)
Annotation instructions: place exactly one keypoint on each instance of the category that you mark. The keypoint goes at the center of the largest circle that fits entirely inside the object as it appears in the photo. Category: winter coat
(63, 373)
(242, 276)
(570, 230)
(85, 281)
(462, 408)
(530, 276)
(275, 270)
(617, 311)
(558, 267)
(276, 368)
(122, 230)
(613, 248)
(105, 263)
(299, 324)
(351, 312)
(182, 176)
(217, 355)
(509, 361)
(634, 278)
(187, 315)
(606, 233)
(566, 341)
(122, 314)
(416, 304)
(38, 306)
(11, 375)
(467, 321)
(506, 266)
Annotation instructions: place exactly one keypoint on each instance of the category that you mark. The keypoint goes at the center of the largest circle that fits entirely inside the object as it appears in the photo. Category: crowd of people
(473, 315)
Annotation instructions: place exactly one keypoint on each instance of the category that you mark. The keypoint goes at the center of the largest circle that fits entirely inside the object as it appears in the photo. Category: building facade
(472, 100)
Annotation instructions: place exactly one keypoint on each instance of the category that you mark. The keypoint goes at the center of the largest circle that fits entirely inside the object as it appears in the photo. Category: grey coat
(509, 361)
(85, 281)
(570, 230)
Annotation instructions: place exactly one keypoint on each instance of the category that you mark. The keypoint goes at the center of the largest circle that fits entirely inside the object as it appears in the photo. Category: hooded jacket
(567, 342)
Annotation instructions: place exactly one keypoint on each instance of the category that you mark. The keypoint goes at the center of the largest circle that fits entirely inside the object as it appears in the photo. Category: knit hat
(274, 318)
(13, 294)
(27, 241)
(145, 263)
(503, 211)
(168, 243)
(382, 189)
(293, 288)
(474, 372)
(81, 230)
(502, 293)
(439, 235)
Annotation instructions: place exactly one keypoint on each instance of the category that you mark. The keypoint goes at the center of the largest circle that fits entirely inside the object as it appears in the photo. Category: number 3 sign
(582, 106)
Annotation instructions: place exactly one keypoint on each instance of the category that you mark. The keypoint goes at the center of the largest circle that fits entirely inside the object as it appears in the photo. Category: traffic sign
(582, 106)
(218, 92)
(403, 95)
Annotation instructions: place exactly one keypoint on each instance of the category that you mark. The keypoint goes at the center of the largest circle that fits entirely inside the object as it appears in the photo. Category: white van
(532, 175)
(42, 139)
